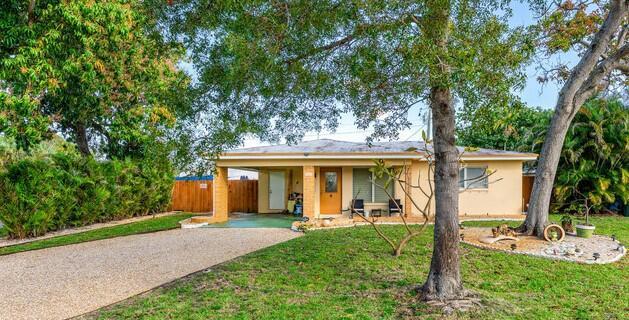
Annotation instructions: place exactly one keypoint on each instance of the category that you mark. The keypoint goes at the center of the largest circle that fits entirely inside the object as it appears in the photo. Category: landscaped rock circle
(597, 249)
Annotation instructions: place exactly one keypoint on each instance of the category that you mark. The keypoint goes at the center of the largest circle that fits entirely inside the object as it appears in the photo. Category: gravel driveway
(67, 281)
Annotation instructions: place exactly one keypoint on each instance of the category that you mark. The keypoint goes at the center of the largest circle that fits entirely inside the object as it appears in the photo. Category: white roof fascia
(367, 156)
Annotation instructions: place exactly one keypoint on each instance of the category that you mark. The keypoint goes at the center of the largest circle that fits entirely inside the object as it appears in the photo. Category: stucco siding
(504, 192)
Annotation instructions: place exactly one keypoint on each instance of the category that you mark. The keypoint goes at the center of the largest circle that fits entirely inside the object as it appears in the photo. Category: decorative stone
(491, 239)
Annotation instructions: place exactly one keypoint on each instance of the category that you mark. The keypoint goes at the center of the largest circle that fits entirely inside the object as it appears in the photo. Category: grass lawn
(348, 273)
(145, 226)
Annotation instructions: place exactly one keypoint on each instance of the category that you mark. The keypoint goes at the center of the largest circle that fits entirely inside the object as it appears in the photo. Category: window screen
(379, 194)
(361, 184)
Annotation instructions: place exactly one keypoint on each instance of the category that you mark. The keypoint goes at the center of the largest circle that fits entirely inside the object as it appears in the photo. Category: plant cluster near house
(60, 190)
(348, 273)
(145, 226)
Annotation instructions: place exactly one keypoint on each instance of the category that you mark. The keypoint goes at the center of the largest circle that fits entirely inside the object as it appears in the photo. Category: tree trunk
(444, 278)
(537, 213)
(80, 134)
(584, 81)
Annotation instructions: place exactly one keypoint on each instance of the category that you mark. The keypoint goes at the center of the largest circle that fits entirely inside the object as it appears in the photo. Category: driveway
(63, 282)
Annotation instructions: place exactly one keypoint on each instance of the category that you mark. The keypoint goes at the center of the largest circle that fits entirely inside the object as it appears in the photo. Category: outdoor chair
(393, 208)
(357, 206)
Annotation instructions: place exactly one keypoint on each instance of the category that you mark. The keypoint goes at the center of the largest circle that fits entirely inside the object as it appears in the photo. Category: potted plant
(567, 223)
(585, 230)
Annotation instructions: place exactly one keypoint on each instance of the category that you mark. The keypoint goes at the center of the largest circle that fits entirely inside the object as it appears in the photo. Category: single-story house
(329, 174)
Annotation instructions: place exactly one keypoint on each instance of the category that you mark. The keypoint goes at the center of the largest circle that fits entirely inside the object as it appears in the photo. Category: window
(364, 189)
(473, 178)
(331, 182)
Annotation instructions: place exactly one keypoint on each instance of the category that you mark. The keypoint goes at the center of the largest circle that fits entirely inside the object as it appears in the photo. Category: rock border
(560, 258)
(362, 223)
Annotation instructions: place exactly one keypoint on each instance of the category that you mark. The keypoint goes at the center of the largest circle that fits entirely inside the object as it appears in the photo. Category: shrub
(65, 190)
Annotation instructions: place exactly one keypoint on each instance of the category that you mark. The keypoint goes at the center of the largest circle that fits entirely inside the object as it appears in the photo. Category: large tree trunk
(537, 215)
(585, 80)
(444, 278)
(80, 134)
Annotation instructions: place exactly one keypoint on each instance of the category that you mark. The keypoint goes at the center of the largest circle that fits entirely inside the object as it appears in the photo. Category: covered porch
(323, 188)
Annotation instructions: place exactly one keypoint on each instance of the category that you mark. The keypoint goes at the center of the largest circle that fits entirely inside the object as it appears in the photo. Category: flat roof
(329, 149)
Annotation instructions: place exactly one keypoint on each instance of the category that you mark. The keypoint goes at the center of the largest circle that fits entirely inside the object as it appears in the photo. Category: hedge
(60, 191)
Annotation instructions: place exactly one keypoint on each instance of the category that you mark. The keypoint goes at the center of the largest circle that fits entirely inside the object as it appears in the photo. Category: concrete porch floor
(256, 220)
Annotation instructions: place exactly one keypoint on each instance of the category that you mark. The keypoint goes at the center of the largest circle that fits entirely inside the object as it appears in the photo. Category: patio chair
(357, 206)
(393, 208)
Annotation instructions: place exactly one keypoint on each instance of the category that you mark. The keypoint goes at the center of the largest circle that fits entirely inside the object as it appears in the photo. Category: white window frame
(466, 182)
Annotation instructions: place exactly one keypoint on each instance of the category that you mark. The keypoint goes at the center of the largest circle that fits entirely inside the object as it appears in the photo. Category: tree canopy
(96, 72)
(277, 70)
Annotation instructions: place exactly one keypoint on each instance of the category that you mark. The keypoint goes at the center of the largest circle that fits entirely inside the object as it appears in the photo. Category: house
(330, 173)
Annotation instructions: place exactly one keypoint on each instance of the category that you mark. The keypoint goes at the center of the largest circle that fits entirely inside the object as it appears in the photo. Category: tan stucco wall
(504, 196)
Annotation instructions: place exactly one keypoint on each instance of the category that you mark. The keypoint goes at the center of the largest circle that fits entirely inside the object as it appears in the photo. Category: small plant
(567, 223)
(585, 230)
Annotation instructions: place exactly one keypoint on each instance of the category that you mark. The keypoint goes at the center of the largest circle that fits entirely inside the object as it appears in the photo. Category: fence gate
(196, 196)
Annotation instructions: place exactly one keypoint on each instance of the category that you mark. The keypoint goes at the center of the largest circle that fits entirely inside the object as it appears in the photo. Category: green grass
(145, 226)
(348, 273)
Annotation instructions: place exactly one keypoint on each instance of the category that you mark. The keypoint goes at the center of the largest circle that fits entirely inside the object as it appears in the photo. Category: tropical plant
(594, 165)
(61, 190)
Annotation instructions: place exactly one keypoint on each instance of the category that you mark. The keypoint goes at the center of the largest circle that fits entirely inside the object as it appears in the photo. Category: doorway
(277, 190)
(330, 190)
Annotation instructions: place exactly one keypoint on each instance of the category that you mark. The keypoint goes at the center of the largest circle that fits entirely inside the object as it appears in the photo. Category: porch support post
(220, 195)
(309, 191)
(408, 204)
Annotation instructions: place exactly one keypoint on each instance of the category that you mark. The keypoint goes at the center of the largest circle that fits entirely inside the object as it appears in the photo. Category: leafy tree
(594, 163)
(513, 127)
(280, 69)
(598, 31)
(93, 71)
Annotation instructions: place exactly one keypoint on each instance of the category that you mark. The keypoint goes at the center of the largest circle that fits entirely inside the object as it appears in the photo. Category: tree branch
(595, 81)
(598, 46)
(320, 49)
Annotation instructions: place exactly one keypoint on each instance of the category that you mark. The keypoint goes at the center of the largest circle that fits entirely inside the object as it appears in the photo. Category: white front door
(276, 190)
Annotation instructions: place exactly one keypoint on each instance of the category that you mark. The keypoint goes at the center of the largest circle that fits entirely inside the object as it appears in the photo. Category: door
(277, 190)
(330, 190)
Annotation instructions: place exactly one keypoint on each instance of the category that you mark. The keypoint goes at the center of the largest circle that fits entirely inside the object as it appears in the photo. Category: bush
(65, 190)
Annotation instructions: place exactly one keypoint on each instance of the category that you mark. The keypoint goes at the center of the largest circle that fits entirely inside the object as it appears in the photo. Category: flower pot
(584, 231)
(567, 226)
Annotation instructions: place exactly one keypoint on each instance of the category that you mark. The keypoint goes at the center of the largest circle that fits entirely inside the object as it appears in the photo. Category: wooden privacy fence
(196, 196)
